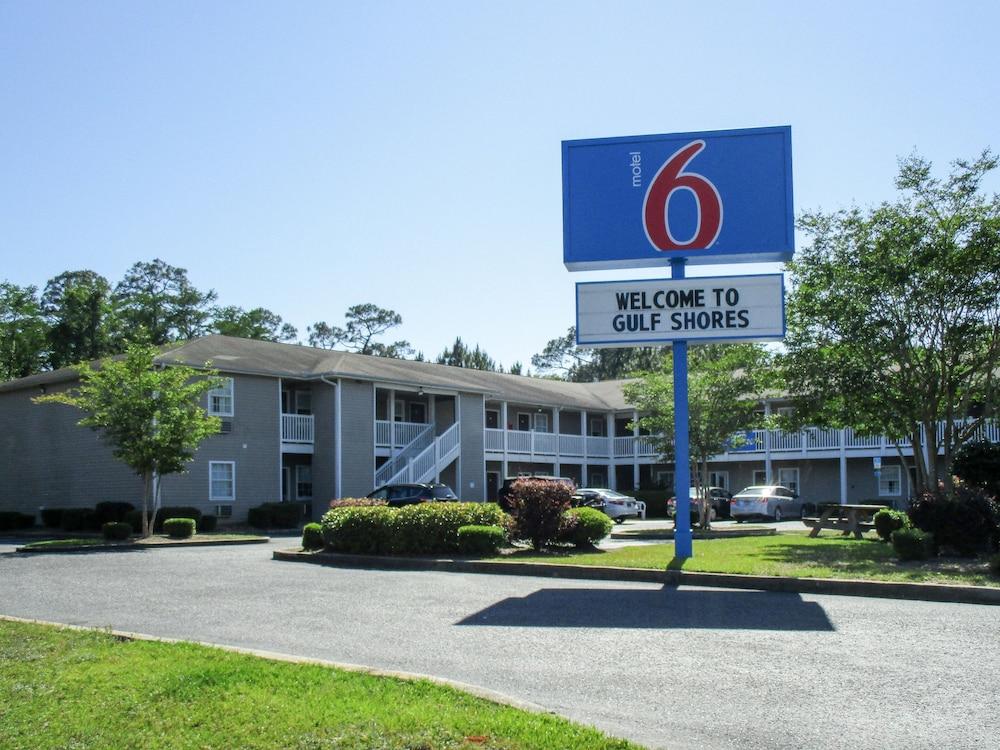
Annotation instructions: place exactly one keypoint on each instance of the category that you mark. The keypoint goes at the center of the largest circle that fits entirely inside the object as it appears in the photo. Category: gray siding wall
(358, 436)
(47, 460)
(254, 445)
(471, 472)
(324, 459)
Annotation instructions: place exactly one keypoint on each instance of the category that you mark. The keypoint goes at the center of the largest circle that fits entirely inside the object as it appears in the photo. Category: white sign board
(656, 312)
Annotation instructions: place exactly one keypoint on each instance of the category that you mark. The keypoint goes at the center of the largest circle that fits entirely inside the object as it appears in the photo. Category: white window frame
(794, 485)
(597, 426)
(539, 416)
(227, 391)
(298, 481)
(762, 473)
(884, 478)
(714, 478)
(399, 410)
(211, 482)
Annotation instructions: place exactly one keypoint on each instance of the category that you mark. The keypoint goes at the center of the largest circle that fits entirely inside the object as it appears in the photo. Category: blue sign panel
(713, 197)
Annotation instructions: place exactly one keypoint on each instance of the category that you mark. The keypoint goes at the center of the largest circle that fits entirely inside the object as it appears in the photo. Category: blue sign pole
(682, 470)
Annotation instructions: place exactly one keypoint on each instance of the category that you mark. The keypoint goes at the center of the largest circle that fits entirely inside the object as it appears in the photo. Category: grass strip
(152, 541)
(62, 688)
(793, 555)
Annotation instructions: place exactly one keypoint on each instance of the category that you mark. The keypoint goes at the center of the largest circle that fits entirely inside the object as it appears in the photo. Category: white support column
(392, 423)
(767, 446)
(557, 464)
(612, 466)
(843, 467)
(583, 460)
(635, 450)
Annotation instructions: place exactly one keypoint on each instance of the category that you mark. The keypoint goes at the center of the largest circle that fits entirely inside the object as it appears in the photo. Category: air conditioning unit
(225, 426)
(223, 511)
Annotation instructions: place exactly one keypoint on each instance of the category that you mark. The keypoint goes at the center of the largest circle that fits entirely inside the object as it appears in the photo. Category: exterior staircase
(425, 464)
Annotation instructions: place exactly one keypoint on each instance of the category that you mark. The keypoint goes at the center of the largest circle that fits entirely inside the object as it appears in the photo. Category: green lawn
(156, 540)
(83, 689)
(788, 554)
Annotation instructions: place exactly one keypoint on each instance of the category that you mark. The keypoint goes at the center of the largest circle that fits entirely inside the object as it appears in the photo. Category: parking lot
(667, 667)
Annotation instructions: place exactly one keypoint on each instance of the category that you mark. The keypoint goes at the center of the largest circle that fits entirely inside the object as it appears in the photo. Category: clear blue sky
(309, 156)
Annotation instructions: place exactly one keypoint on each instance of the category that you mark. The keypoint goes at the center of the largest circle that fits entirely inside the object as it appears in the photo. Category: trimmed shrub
(537, 507)
(108, 512)
(52, 517)
(208, 523)
(912, 544)
(312, 536)
(888, 521)
(10, 520)
(480, 540)
(78, 519)
(584, 527)
(276, 515)
(964, 523)
(173, 511)
(356, 502)
(425, 528)
(995, 565)
(359, 530)
(116, 530)
(179, 528)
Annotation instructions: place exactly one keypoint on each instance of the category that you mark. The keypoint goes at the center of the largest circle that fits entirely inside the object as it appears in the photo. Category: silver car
(766, 501)
(616, 506)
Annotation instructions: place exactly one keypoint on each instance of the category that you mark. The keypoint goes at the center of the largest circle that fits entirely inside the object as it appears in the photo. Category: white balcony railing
(297, 428)
(396, 434)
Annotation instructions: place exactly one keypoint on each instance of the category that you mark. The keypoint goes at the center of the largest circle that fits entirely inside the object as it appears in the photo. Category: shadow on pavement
(665, 608)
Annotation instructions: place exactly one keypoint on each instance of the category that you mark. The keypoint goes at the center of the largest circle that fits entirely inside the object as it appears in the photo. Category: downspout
(337, 450)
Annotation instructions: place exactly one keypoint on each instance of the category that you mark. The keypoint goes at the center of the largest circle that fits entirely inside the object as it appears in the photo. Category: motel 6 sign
(710, 197)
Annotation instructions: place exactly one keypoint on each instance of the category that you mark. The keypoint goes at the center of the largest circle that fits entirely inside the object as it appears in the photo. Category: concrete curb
(140, 546)
(479, 692)
(668, 534)
(931, 592)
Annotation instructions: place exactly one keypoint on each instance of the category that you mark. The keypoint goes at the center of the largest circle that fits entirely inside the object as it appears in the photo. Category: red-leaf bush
(537, 506)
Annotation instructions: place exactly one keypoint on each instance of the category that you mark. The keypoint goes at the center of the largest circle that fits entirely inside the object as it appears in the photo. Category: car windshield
(443, 493)
(612, 493)
(756, 491)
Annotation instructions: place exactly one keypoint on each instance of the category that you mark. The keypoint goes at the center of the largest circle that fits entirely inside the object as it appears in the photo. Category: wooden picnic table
(849, 519)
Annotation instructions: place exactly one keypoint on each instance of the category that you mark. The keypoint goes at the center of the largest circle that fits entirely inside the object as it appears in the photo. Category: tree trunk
(146, 520)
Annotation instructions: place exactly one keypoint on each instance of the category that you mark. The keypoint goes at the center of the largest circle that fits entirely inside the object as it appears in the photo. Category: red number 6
(670, 178)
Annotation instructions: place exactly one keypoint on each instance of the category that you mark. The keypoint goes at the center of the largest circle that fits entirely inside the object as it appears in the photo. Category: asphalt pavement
(667, 667)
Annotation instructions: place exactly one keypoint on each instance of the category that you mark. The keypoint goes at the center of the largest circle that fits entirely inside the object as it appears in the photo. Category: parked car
(410, 494)
(766, 501)
(509, 481)
(719, 499)
(617, 506)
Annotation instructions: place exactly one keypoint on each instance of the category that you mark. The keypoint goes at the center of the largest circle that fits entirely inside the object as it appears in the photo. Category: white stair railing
(386, 473)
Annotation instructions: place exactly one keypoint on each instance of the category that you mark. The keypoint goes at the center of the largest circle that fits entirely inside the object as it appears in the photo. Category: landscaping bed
(74, 688)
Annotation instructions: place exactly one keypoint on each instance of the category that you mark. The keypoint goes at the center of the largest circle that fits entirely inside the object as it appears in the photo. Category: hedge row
(425, 528)
(277, 515)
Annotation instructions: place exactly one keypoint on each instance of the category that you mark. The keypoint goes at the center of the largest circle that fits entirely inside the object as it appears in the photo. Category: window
(664, 479)
(303, 402)
(400, 410)
(889, 481)
(303, 482)
(222, 480)
(597, 427)
(759, 477)
(789, 478)
(597, 479)
(220, 400)
(718, 479)
(540, 422)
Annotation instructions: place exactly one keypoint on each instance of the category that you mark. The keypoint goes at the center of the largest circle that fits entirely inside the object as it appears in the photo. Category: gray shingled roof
(247, 356)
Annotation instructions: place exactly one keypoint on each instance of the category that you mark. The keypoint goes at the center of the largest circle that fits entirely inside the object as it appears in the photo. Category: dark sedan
(396, 495)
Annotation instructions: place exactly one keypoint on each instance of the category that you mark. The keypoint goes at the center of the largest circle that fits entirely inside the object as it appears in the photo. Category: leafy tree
(77, 308)
(459, 355)
(258, 323)
(893, 319)
(363, 323)
(150, 416)
(725, 386)
(159, 299)
(516, 368)
(562, 358)
(22, 331)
